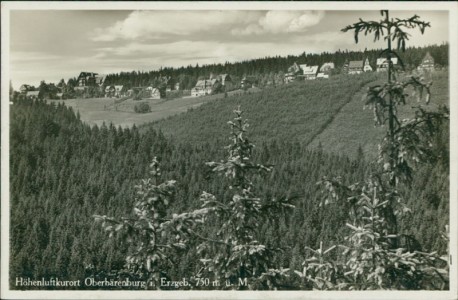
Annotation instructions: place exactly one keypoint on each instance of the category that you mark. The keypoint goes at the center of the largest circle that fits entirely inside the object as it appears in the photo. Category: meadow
(96, 111)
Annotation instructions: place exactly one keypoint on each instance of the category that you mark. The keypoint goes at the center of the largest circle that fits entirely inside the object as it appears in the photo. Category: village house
(86, 79)
(226, 81)
(33, 95)
(427, 64)
(248, 82)
(327, 67)
(355, 67)
(309, 72)
(25, 88)
(345, 67)
(367, 66)
(119, 91)
(215, 84)
(153, 93)
(80, 88)
(109, 91)
(382, 63)
(203, 87)
(293, 72)
(322, 75)
(289, 77)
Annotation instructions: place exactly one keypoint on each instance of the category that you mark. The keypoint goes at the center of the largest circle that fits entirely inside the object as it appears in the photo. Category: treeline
(63, 172)
(266, 68)
(266, 71)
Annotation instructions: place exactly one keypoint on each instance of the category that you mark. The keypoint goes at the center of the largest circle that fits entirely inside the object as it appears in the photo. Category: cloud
(282, 21)
(185, 52)
(145, 25)
(160, 24)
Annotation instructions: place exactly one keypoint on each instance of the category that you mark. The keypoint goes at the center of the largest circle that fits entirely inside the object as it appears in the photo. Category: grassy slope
(354, 126)
(298, 111)
(96, 111)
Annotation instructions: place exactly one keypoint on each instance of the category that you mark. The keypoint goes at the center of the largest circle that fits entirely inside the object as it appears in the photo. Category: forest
(268, 213)
(63, 172)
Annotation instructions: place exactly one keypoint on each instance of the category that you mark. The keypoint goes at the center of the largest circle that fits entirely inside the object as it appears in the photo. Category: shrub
(142, 108)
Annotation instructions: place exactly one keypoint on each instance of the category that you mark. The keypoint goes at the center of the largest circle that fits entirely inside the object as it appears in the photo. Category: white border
(6, 7)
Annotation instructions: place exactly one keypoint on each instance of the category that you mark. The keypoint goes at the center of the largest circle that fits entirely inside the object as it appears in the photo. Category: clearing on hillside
(96, 111)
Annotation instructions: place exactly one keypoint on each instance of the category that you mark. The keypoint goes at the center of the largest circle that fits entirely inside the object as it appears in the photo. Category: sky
(53, 44)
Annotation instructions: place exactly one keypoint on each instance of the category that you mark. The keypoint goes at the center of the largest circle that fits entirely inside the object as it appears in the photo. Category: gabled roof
(25, 87)
(225, 77)
(294, 68)
(85, 74)
(201, 83)
(310, 70)
(303, 66)
(428, 57)
(100, 79)
(328, 65)
(33, 93)
(205, 83)
(356, 64)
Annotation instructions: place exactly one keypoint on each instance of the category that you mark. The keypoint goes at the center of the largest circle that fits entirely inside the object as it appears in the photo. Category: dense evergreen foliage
(62, 172)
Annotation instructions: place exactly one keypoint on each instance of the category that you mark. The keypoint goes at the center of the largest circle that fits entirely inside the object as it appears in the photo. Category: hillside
(327, 112)
(298, 111)
(354, 126)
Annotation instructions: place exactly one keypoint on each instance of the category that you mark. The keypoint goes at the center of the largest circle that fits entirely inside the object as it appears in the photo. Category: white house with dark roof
(86, 79)
(119, 90)
(153, 92)
(226, 81)
(367, 67)
(203, 87)
(382, 63)
(327, 67)
(355, 67)
(33, 94)
(109, 91)
(427, 64)
(309, 72)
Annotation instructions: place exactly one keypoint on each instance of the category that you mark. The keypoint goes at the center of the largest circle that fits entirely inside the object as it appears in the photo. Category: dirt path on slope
(351, 127)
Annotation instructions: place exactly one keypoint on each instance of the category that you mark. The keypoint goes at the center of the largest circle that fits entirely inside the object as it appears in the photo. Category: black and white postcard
(229, 150)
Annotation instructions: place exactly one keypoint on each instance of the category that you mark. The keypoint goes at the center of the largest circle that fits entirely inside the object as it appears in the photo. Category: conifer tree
(235, 254)
(375, 256)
